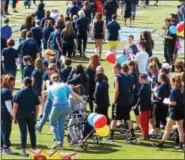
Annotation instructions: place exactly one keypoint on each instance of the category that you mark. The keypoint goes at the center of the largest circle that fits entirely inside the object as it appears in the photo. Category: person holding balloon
(121, 105)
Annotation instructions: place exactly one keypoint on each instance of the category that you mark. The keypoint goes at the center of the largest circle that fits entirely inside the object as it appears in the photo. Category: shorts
(112, 43)
(120, 112)
(104, 111)
(176, 117)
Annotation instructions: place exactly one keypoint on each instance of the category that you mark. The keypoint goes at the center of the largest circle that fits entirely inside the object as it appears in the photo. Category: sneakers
(179, 148)
(137, 129)
(144, 138)
(24, 154)
(158, 145)
(9, 151)
(131, 139)
(57, 145)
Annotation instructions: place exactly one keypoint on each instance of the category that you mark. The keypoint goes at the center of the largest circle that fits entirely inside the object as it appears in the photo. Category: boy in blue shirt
(65, 72)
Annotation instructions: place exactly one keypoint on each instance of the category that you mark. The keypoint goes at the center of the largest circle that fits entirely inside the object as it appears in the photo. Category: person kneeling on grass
(176, 114)
(144, 105)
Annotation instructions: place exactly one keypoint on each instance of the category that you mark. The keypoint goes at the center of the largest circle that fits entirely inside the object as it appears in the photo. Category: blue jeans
(47, 110)
(58, 116)
(133, 10)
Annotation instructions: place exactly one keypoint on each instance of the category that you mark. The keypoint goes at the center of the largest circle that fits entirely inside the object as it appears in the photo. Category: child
(6, 30)
(65, 72)
(27, 3)
(144, 105)
(76, 108)
(28, 66)
(101, 95)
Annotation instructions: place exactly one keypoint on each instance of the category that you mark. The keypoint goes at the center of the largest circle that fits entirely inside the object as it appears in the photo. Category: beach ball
(173, 30)
(91, 117)
(121, 59)
(111, 57)
(103, 132)
(100, 121)
(180, 27)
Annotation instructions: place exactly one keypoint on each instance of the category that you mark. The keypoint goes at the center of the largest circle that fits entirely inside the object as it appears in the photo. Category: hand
(14, 121)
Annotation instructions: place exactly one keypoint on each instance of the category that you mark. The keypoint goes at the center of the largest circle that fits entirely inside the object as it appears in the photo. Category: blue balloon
(173, 30)
(121, 59)
(91, 117)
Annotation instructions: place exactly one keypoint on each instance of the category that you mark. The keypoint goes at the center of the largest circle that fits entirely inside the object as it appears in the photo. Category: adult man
(121, 105)
(48, 17)
(73, 10)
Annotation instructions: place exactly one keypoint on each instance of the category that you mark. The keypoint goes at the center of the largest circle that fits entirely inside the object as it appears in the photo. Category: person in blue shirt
(176, 113)
(47, 17)
(82, 25)
(40, 12)
(9, 56)
(52, 59)
(160, 110)
(28, 67)
(46, 32)
(87, 10)
(128, 10)
(28, 24)
(54, 42)
(73, 10)
(65, 72)
(121, 105)
(8, 83)
(101, 95)
(25, 111)
(6, 30)
(144, 105)
(37, 33)
(113, 28)
(29, 47)
(59, 93)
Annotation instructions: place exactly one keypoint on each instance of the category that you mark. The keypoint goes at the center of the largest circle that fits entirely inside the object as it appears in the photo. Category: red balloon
(111, 57)
(180, 27)
(100, 121)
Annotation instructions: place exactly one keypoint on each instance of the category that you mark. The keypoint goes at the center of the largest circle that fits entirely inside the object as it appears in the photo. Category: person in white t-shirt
(142, 57)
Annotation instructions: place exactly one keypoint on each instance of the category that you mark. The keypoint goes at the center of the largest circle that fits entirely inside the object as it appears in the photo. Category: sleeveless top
(98, 30)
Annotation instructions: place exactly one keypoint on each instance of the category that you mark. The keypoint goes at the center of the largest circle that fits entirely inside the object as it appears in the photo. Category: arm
(104, 31)
(36, 111)
(15, 107)
(116, 90)
(9, 107)
(77, 97)
(58, 44)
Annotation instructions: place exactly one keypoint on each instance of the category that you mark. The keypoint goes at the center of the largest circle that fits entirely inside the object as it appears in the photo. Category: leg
(100, 47)
(64, 50)
(96, 45)
(169, 125)
(84, 43)
(61, 124)
(23, 129)
(70, 51)
(157, 116)
(72, 129)
(166, 54)
(6, 7)
(144, 120)
(31, 129)
(79, 45)
(180, 130)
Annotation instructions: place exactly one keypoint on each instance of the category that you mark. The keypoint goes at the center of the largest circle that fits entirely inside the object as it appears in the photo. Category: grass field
(151, 17)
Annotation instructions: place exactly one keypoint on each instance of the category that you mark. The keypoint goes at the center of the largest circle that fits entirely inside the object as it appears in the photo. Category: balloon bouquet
(180, 29)
(112, 58)
(99, 123)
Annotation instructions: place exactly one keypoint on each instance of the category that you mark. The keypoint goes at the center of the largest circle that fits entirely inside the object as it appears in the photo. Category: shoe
(38, 129)
(24, 154)
(144, 138)
(178, 148)
(9, 151)
(110, 138)
(131, 139)
(158, 145)
(137, 129)
(15, 11)
(57, 145)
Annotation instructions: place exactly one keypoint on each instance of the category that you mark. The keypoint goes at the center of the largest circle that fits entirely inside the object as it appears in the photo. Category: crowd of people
(53, 86)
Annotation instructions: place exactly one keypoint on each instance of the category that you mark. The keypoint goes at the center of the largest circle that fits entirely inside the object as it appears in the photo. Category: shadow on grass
(18, 146)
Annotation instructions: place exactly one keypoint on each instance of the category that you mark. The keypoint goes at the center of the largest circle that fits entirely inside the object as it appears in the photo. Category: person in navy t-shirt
(73, 10)
(65, 72)
(28, 67)
(8, 83)
(48, 17)
(9, 56)
(40, 12)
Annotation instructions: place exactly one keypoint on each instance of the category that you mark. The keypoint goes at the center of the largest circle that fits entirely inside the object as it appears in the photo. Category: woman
(98, 33)
(78, 76)
(128, 10)
(28, 24)
(59, 93)
(6, 112)
(176, 115)
(160, 110)
(91, 72)
(146, 36)
(46, 32)
(40, 12)
(153, 72)
(25, 111)
(9, 56)
(179, 65)
(82, 25)
(68, 36)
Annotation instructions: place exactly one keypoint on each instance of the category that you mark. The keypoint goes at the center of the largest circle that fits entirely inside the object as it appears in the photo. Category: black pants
(160, 112)
(13, 3)
(68, 50)
(7, 4)
(25, 123)
(82, 39)
(168, 53)
(6, 128)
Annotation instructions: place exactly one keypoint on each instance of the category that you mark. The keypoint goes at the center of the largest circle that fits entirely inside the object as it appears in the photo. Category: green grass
(151, 17)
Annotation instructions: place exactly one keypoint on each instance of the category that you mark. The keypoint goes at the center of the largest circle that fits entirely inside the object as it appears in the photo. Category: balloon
(91, 117)
(180, 27)
(111, 57)
(121, 59)
(100, 121)
(173, 30)
(103, 132)
(180, 34)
